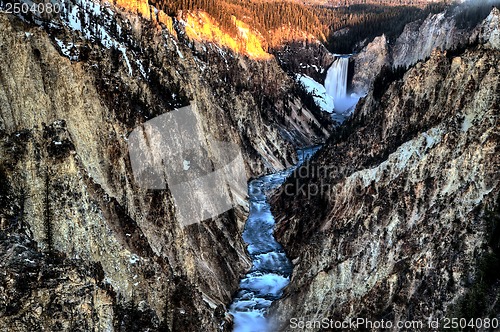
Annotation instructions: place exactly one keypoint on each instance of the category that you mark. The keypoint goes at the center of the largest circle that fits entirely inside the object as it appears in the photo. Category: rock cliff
(368, 64)
(443, 31)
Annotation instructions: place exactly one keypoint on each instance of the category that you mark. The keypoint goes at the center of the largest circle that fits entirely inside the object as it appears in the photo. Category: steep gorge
(388, 221)
(394, 233)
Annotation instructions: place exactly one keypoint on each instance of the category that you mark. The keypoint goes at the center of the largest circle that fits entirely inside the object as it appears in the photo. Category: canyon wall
(418, 40)
(368, 64)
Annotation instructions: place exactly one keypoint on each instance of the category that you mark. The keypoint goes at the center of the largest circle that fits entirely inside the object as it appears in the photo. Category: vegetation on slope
(350, 26)
(469, 14)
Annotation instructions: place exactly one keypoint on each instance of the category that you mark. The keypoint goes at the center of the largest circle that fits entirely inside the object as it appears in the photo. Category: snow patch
(66, 49)
(123, 49)
(321, 98)
(339, 108)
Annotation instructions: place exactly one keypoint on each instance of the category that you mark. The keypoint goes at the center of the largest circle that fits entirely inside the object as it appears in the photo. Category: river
(271, 268)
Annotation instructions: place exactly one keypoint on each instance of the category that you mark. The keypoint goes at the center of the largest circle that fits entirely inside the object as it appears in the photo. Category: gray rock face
(68, 187)
(389, 219)
(489, 32)
(418, 40)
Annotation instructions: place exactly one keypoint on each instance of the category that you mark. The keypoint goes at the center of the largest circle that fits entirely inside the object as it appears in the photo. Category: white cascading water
(336, 78)
(336, 87)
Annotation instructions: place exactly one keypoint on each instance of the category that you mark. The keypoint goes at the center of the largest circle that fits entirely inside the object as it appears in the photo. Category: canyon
(391, 219)
(83, 246)
(406, 183)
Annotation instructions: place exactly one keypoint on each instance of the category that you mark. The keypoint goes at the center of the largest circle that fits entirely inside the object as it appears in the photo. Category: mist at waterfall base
(336, 85)
(271, 268)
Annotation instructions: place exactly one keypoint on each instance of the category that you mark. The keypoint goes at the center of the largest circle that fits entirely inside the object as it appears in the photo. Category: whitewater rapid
(271, 268)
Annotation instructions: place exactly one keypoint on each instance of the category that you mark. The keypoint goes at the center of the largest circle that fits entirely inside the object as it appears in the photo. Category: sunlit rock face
(135, 7)
(388, 221)
(201, 27)
(69, 99)
(368, 63)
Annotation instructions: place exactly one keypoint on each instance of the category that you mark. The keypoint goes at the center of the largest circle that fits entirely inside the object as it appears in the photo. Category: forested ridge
(363, 18)
(263, 16)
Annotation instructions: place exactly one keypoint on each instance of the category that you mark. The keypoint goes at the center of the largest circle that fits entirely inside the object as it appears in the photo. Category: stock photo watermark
(206, 177)
(311, 180)
(429, 324)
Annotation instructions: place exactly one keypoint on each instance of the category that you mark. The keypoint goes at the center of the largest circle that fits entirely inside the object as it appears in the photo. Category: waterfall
(336, 87)
(336, 78)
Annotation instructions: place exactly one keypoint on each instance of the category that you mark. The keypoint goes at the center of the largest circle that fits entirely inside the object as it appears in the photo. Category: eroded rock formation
(418, 40)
